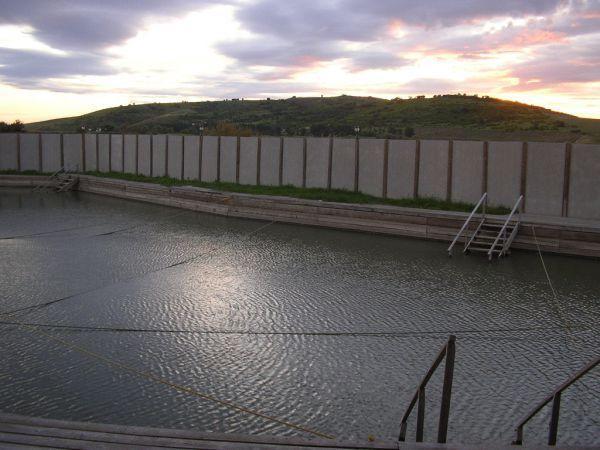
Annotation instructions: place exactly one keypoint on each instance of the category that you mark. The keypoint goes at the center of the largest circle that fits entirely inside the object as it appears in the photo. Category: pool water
(327, 329)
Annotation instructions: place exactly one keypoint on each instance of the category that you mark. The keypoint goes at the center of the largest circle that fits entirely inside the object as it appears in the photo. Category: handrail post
(420, 414)
(447, 352)
(447, 390)
(553, 432)
(402, 436)
(555, 398)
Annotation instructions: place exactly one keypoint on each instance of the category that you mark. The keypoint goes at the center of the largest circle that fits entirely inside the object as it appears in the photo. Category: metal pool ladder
(555, 397)
(491, 236)
(62, 180)
(448, 352)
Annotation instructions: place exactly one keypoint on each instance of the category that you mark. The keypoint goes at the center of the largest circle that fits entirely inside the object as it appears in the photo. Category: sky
(63, 58)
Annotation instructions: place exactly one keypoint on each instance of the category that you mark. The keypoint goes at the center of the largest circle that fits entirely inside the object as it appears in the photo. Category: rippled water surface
(326, 329)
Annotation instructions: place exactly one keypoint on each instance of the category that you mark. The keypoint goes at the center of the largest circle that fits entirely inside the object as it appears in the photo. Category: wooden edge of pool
(568, 236)
(18, 431)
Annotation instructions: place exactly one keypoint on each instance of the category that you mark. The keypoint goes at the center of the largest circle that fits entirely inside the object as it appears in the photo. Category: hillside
(447, 116)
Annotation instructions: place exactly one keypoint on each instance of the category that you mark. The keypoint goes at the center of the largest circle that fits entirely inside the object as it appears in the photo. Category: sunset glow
(62, 59)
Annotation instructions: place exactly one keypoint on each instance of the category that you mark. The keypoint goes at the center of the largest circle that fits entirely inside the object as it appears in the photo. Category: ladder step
(483, 249)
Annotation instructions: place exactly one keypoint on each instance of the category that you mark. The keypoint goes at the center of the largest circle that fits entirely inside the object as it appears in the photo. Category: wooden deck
(19, 432)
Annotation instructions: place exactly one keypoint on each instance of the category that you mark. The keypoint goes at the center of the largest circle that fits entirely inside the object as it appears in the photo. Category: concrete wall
(248, 160)
(145, 155)
(370, 163)
(191, 157)
(30, 152)
(504, 173)
(210, 157)
(401, 169)
(317, 162)
(73, 151)
(175, 156)
(159, 155)
(270, 157)
(228, 159)
(130, 153)
(9, 153)
(556, 179)
(433, 169)
(116, 153)
(91, 153)
(467, 171)
(51, 152)
(293, 162)
(103, 153)
(584, 191)
(545, 178)
(343, 164)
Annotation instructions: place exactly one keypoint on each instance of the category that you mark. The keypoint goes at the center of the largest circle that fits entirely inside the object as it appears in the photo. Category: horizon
(70, 58)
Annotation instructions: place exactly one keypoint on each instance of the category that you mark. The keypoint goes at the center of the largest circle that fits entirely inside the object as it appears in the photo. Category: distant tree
(16, 126)
(224, 128)
(108, 128)
(409, 132)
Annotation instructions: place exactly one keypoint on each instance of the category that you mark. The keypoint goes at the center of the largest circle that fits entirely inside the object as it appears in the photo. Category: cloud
(32, 69)
(90, 24)
(560, 64)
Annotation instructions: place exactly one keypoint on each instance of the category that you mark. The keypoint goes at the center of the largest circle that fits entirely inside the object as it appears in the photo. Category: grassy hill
(442, 117)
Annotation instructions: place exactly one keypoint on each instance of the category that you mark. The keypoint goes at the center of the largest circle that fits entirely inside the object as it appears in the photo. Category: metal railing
(482, 201)
(53, 176)
(502, 232)
(555, 397)
(448, 352)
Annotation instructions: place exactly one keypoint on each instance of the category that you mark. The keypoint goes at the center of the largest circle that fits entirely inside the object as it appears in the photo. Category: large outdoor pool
(326, 329)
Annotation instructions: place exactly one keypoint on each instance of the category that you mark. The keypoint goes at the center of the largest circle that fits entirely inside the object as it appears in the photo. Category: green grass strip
(328, 195)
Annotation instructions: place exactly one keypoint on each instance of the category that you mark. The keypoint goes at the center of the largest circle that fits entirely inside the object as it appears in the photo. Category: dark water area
(327, 329)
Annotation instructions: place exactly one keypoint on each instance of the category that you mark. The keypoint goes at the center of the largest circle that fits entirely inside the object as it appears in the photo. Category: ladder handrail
(448, 352)
(53, 175)
(481, 200)
(474, 235)
(503, 229)
(553, 432)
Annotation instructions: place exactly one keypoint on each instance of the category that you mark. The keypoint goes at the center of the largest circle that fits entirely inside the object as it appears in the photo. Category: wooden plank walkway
(19, 432)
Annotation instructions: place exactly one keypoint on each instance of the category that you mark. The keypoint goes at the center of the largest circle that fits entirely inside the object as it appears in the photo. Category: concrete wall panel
(129, 153)
(343, 164)
(584, 192)
(401, 169)
(269, 161)
(210, 145)
(91, 155)
(103, 153)
(159, 155)
(191, 157)
(9, 154)
(175, 156)
(116, 153)
(145, 155)
(467, 171)
(228, 159)
(433, 169)
(73, 151)
(504, 173)
(545, 178)
(51, 153)
(293, 161)
(248, 160)
(30, 151)
(317, 162)
(370, 166)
